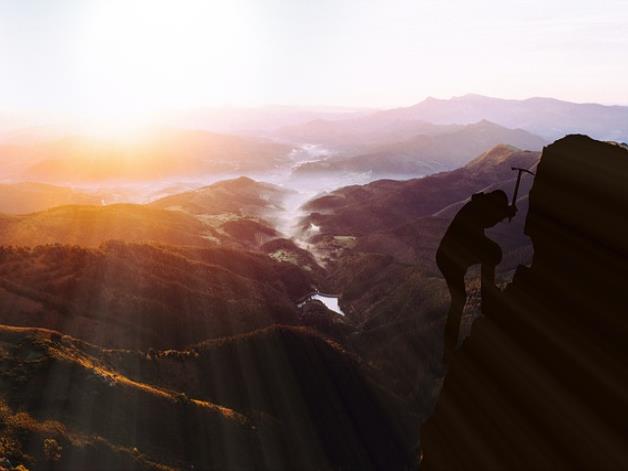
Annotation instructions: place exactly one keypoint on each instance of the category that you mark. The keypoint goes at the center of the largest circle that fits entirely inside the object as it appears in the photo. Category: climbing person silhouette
(465, 244)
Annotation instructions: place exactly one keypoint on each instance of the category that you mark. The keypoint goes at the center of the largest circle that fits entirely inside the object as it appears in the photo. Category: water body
(330, 301)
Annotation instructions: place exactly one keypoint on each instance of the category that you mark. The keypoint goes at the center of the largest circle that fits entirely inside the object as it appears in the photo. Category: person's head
(491, 207)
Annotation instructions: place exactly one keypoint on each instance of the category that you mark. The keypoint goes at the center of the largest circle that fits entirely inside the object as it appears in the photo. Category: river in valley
(330, 302)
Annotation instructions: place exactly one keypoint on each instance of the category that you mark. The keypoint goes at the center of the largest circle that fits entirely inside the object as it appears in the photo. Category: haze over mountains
(546, 117)
(264, 119)
(158, 154)
(28, 197)
(436, 149)
(435, 134)
(167, 279)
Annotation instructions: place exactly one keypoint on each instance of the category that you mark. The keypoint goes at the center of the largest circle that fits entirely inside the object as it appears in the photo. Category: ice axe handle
(516, 192)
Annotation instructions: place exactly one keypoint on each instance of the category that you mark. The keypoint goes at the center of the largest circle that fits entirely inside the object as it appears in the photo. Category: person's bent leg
(491, 257)
(452, 327)
(488, 288)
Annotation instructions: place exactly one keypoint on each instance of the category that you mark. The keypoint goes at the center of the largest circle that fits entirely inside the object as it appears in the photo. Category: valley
(344, 235)
(282, 306)
(149, 297)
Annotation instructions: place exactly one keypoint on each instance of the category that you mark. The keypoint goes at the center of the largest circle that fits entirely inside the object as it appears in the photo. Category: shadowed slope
(143, 296)
(292, 400)
(356, 210)
(380, 242)
(330, 411)
(141, 420)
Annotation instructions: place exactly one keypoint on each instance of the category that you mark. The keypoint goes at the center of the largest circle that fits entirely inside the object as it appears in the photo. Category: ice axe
(514, 195)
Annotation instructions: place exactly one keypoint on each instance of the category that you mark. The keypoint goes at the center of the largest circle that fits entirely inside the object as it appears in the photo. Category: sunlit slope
(27, 197)
(241, 210)
(33, 443)
(244, 213)
(239, 213)
(241, 196)
(146, 296)
(90, 226)
(154, 154)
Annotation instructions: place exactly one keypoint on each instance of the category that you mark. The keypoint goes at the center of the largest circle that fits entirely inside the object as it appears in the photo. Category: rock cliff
(541, 382)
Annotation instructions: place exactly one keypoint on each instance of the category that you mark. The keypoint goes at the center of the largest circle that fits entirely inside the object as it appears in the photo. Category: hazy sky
(112, 56)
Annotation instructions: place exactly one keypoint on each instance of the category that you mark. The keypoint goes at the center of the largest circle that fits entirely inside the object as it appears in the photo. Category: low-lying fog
(302, 188)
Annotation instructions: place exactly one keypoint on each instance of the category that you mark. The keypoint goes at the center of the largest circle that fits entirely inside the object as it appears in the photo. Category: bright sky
(136, 56)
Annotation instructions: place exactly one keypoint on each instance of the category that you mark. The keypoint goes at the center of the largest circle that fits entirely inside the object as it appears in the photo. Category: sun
(140, 57)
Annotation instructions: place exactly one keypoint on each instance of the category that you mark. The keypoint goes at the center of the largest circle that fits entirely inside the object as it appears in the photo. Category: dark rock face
(542, 381)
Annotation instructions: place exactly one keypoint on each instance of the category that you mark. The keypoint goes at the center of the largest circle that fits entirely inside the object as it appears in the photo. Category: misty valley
(259, 288)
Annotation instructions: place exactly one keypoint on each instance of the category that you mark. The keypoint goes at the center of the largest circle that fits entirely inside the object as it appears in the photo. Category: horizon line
(331, 108)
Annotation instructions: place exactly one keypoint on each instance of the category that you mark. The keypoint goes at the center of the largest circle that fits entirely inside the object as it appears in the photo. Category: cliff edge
(542, 381)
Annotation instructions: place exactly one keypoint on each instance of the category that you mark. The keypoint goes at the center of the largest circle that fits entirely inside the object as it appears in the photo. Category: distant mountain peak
(239, 183)
(471, 96)
(501, 158)
(549, 118)
(467, 96)
(242, 180)
(485, 123)
(493, 156)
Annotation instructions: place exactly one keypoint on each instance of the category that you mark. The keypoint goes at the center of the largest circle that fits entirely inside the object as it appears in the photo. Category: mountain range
(443, 148)
(181, 333)
(263, 120)
(546, 117)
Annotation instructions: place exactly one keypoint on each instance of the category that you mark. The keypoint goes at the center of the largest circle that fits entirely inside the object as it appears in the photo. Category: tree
(52, 449)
